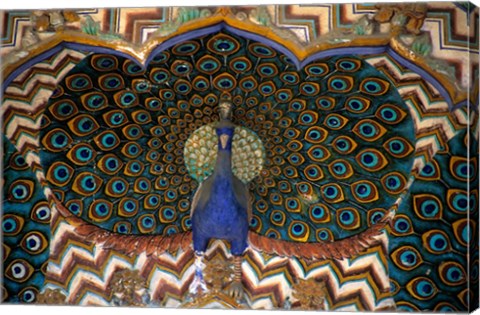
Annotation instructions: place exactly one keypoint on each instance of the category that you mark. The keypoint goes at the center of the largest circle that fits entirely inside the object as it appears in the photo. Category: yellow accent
(225, 15)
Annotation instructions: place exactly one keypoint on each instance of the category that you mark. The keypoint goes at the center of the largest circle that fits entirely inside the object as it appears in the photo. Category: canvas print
(306, 157)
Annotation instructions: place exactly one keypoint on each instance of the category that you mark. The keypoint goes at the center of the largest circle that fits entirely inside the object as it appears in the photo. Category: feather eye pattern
(25, 229)
(326, 149)
(432, 234)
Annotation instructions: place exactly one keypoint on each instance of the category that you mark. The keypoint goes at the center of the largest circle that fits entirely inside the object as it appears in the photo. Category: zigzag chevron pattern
(434, 123)
(83, 274)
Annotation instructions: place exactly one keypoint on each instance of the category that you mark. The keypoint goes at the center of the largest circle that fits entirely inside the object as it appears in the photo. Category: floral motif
(310, 294)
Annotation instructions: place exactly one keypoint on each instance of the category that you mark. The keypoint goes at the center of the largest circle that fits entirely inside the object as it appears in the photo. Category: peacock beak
(224, 141)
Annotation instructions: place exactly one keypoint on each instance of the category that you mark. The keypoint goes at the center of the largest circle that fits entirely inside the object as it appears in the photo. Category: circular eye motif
(59, 174)
(12, 224)
(256, 224)
(427, 207)
(324, 235)
(390, 114)
(63, 109)
(125, 99)
(319, 213)
(208, 65)
(344, 145)
(407, 258)
(75, 206)
(318, 153)
(159, 75)
(248, 84)
(160, 58)
(111, 82)
(34, 243)
(394, 182)
(200, 83)
(332, 193)
(375, 215)
(83, 125)
(399, 148)
(181, 68)
(240, 64)
(225, 82)
(94, 101)
(335, 121)
(267, 88)
(104, 62)
(19, 271)
(78, 82)
(110, 164)
(309, 88)
(41, 212)
(261, 51)
(316, 134)
(28, 295)
(18, 162)
(167, 214)
(369, 130)
(278, 218)
(364, 191)
(357, 104)
(132, 150)
(299, 231)
(141, 85)
(223, 44)
(267, 70)
(186, 48)
(116, 187)
(371, 160)
(56, 140)
(348, 65)
(436, 242)
(20, 190)
(340, 84)
(290, 78)
(458, 201)
(340, 169)
(308, 118)
(325, 102)
(152, 201)
(86, 184)
(316, 69)
(123, 227)
(182, 87)
(107, 140)
(348, 218)
(402, 226)
(146, 223)
(132, 68)
(462, 169)
(128, 207)
(422, 288)
(452, 273)
(374, 86)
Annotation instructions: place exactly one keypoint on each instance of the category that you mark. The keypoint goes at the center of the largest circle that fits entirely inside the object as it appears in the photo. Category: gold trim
(225, 15)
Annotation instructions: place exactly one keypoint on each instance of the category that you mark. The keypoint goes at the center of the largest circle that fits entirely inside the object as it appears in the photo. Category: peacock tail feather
(25, 229)
(326, 149)
(434, 243)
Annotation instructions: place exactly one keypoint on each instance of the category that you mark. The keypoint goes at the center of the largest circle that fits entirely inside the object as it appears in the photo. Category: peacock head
(225, 110)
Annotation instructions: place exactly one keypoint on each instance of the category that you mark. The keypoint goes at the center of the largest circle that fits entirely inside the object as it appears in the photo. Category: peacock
(227, 136)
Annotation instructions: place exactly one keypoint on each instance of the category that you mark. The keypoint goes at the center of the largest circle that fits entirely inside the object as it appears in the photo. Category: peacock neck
(223, 165)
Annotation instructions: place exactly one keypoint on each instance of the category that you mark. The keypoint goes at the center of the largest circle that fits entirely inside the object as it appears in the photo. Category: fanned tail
(127, 244)
(345, 248)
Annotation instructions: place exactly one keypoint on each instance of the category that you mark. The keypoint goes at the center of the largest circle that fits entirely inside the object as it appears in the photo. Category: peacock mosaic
(313, 157)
